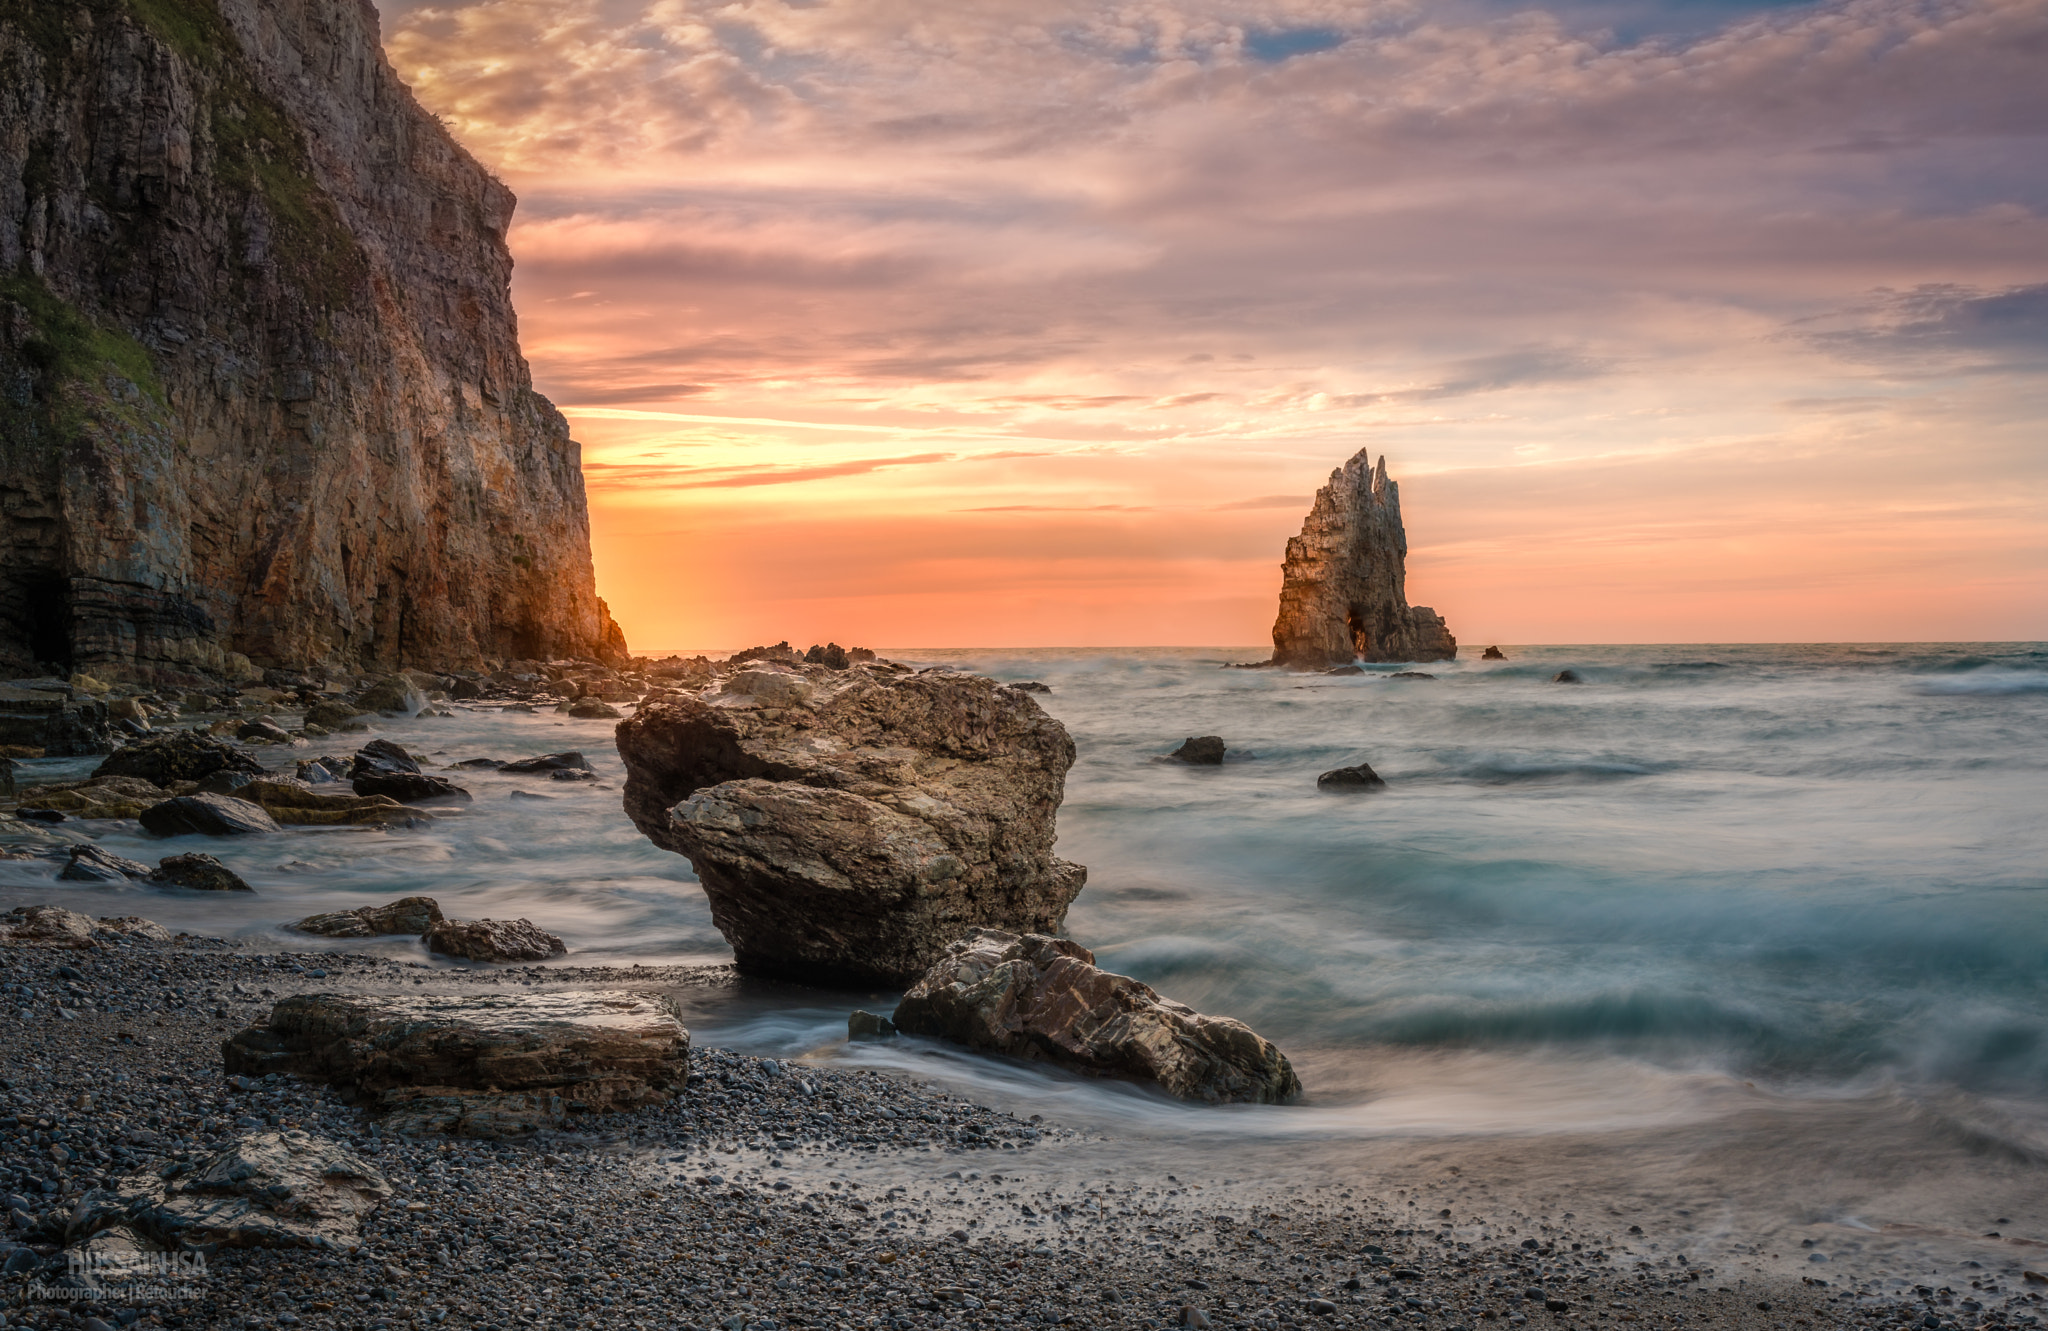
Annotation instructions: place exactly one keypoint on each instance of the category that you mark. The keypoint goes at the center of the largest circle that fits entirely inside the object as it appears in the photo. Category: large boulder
(271, 1190)
(383, 768)
(493, 940)
(483, 1064)
(848, 825)
(178, 755)
(407, 915)
(1045, 998)
(207, 815)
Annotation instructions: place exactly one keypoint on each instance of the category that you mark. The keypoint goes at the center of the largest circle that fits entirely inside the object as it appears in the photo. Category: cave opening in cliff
(43, 599)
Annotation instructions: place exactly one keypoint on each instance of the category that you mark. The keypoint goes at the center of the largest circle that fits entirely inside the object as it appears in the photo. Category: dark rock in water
(484, 1065)
(493, 940)
(36, 815)
(1033, 996)
(571, 760)
(1200, 750)
(831, 655)
(271, 1190)
(1032, 686)
(330, 714)
(1360, 777)
(868, 1026)
(265, 729)
(1339, 670)
(199, 873)
(395, 696)
(91, 864)
(224, 783)
(592, 709)
(1343, 590)
(383, 768)
(6, 778)
(483, 764)
(465, 690)
(320, 771)
(572, 774)
(407, 915)
(1493, 654)
(847, 825)
(1411, 674)
(180, 755)
(1566, 677)
(207, 815)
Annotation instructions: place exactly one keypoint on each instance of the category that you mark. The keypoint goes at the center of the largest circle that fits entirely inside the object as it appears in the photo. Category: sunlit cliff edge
(261, 390)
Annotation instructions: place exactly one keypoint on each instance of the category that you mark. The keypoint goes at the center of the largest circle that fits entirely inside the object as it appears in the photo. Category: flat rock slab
(442, 1060)
(1039, 997)
(207, 815)
(270, 1190)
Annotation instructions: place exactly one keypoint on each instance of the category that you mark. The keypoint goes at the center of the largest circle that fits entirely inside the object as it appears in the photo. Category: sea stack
(264, 399)
(1343, 590)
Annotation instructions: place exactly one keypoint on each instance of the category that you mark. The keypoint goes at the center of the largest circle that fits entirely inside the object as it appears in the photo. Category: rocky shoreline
(741, 1203)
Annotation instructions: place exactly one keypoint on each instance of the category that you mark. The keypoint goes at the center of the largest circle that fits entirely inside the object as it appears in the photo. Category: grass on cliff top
(68, 347)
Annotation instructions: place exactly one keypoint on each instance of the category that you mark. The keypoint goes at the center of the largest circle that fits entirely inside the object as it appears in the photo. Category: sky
(1039, 322)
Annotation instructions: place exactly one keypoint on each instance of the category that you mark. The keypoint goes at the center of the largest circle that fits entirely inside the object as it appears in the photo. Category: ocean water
(1750, 938)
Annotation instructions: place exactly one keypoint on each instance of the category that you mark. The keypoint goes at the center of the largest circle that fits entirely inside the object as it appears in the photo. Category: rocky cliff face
(260, 381)
(1343, 589)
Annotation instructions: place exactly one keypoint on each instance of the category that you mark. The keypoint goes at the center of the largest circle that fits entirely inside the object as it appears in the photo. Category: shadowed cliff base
(1343, 590)
(261, 394)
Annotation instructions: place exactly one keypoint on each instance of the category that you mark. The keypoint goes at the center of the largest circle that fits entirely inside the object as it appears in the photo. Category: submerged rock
(487, 1065)
(569, 761)
(1343, 590)
(1200, 751)
(407, 915)
(383, 768)
(207, 815)
(271, 1190)
(493, 940)
(1411, 674)
(179, 755)
(92, 864)
(1038, 997)
(847, 825)
(198, 873)
(1358, 777)
(1566, 677)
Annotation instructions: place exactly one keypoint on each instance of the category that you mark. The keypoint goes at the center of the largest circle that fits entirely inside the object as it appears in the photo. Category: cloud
(1948, 325)
(1291, 502)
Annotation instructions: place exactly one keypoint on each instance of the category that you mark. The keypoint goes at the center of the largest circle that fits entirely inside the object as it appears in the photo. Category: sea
(1742, 948)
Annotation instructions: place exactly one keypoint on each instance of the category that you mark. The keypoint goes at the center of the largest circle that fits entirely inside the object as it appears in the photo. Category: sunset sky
(1031, 322)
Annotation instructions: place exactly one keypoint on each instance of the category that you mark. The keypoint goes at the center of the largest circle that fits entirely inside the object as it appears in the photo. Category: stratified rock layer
(263, 394)
(848, 825)
(1045, 998)
(1343, 588)
(488, 1064)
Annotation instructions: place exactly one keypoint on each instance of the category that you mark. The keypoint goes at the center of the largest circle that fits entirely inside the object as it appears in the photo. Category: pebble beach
(776, 1193)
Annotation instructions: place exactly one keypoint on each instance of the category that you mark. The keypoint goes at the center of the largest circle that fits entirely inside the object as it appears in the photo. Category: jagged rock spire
(1343, 592)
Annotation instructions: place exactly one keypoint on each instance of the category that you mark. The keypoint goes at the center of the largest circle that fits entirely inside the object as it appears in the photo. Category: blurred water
(1746, 903)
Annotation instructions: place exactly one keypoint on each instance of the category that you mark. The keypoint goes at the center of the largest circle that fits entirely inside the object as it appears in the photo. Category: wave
(1984, 682)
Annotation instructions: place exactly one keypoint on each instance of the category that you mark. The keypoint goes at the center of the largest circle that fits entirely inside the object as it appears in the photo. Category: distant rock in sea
(1343, 589)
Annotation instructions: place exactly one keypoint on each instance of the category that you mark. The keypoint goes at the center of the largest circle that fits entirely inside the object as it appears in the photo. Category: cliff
(1343, 589)
(260, 381)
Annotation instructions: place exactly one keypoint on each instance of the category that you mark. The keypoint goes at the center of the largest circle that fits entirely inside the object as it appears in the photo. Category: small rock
(383, 768)
(1357, 777)
(1031, 686)
(570, 760)
(407, 915)
(1322, 1307)
(265, 729)
(198, 872)
(493, 940)
(1566, 677)
(1201, 751)
(868, 1026)
(91, 864)
(1493, 654)
(593, 709)
(1411, 674)
(207, 815)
